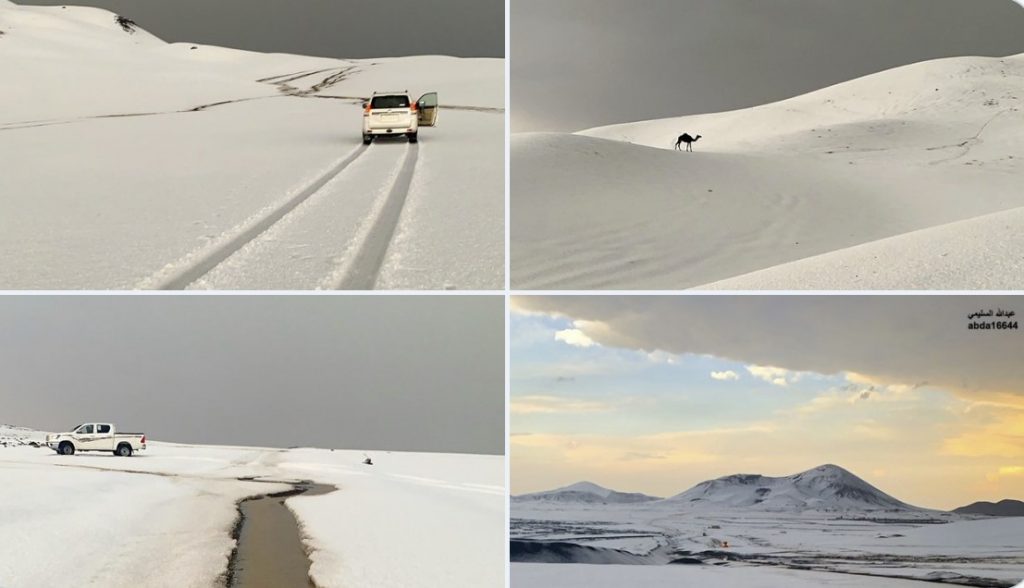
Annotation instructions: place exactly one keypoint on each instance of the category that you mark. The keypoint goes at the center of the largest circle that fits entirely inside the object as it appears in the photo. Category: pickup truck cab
(96, 437)
(394, 113)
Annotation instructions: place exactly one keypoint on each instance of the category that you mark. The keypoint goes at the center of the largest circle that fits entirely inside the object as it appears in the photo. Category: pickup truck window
(102, 428)
(84, 430)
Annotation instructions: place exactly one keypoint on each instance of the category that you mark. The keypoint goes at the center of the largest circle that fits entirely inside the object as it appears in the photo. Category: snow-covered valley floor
(133, 163)
(749, 548)
(906, 179)
(164, 517)
(526, 575)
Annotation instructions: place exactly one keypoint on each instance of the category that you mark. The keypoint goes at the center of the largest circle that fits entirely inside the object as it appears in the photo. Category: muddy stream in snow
(270, 553)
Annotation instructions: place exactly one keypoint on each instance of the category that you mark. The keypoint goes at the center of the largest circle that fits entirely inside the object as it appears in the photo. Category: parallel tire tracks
(180, 279)
(369, 258)
(362, 269)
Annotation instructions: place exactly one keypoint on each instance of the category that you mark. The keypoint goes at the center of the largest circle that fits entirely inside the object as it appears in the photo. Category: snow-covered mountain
(586, 492)
(908, 178)
(825, 488)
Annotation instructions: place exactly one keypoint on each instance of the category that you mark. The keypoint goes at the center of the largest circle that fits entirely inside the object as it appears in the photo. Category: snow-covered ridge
(586, 492)
(927, 97)
(825, 488)
(1004, 508)
(825, 190)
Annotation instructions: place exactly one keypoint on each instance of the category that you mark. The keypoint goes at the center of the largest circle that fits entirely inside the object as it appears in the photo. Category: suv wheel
(413, 137)
(367, 139)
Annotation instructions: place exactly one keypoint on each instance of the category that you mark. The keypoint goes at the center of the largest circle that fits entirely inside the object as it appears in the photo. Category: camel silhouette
(686, 138)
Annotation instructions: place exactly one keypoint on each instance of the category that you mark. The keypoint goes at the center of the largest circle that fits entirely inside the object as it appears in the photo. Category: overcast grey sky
(423, 373)
(906, 339)
(582, 63)
(328, 28)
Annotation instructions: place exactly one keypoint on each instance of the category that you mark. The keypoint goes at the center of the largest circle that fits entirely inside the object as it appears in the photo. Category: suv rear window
(390, 102)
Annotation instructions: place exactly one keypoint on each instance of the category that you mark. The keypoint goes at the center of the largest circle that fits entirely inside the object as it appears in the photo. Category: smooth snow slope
(408, 521)
(909, 150)
(163, 518)
(825, 488)
(132, 163)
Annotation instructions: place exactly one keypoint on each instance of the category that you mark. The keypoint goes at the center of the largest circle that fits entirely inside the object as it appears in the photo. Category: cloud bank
(893, 340)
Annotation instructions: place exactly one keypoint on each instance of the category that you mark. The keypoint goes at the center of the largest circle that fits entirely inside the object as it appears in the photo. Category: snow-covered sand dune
(848, 176)
(164, 517)
(133, 163)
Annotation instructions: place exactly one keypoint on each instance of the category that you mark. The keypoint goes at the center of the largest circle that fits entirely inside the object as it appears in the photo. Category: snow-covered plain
(583, 576)
(824, 520)
(164, 517)
(133, 163)
(410, 520)
(905, 179)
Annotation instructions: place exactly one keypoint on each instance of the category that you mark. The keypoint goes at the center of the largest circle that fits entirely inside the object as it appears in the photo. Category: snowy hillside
(164, 518)
(133, 163)
(1003, 508)
(880, 182)
(11, 436)
(587, 492)
(825, 488)
(822, 527)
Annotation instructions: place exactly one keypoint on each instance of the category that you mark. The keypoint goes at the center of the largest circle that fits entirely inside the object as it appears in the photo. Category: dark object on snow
(127, 24)
(368, 461)
(686, 138)
(1003, 508)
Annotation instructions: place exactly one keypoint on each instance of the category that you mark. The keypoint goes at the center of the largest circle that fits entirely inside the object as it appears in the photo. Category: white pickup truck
(96, 437)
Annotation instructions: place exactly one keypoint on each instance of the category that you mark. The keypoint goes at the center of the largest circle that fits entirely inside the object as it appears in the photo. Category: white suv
(394, 113)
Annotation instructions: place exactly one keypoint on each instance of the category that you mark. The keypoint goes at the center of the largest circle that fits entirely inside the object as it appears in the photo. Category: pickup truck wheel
(413, 137)
(367, 139)
(124, 450)
(66, 448)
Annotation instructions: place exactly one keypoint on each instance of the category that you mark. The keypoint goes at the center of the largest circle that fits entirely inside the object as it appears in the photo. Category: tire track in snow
(196, 265)
(365, 267)
(314, 246)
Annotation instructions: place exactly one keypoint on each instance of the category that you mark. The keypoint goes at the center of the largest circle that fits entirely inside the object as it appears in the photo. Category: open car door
(426, 107)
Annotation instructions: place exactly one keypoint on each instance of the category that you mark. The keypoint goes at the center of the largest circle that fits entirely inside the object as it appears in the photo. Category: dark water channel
(270, 553)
